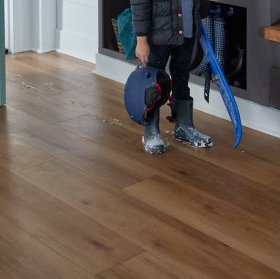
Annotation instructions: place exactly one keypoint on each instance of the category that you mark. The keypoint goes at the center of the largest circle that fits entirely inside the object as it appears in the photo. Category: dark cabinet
(262, 73)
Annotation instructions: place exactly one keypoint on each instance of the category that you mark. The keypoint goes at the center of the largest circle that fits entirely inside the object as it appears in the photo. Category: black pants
(179, 65)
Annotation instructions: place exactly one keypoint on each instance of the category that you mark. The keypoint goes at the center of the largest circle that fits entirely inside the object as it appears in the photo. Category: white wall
(77, 28)
(44, 25)
(31, 25)
(71, 26)
(21, 26)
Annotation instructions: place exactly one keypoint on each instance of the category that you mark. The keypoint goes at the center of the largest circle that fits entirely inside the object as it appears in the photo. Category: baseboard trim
(80, 56)
(254, 116)
(46, 50)
(83, 48)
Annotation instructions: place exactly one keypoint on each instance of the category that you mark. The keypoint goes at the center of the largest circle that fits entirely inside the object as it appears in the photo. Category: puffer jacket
(161, 20)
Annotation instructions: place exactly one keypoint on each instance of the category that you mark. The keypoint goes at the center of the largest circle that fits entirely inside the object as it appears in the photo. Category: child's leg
(179, 69)
(183, 103)
(159, 56)
(152, 140)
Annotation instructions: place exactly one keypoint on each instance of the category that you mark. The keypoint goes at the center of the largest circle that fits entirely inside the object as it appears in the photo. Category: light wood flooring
(79, 198)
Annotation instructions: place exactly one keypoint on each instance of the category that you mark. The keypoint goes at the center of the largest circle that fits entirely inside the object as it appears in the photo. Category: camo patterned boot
(152, 140)
(185, 131)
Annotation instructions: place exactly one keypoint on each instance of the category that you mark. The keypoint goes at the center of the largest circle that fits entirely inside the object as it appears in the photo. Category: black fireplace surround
(260, 78)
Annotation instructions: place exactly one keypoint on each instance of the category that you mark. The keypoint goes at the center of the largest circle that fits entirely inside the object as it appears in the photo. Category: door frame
(2, 56)
(7, 24)
(30, 25)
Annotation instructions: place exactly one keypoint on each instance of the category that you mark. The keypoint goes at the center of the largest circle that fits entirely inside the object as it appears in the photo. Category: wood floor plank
(237, 190)
(150, 267)
(24, 257)
(77, 187)
(69, 185)
(76, 70)
(189, 247)
(97, 160)
(255, 198)
(32, 72)
(93, 100)
(16, 155)
(39, 104)
(263, 170)
(246, 161)
(275, 185)
(256, 144)
(111, 133)
(239, 162)
(58, 226)
(230, 225)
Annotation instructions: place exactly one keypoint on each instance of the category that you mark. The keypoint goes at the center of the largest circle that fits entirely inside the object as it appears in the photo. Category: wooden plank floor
(80, 199)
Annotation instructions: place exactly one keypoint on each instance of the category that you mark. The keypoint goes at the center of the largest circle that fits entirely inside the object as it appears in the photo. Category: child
(167, 28)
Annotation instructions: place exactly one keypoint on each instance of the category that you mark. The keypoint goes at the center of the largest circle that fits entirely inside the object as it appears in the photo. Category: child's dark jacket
(161, 20)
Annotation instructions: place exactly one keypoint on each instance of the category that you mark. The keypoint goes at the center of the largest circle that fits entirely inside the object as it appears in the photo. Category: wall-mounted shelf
(272, 33)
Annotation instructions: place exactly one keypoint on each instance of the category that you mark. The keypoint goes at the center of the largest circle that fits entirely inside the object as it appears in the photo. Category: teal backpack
(127, 37)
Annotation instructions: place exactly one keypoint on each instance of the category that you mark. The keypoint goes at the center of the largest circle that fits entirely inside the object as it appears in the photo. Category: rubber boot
(185, 131)
(152, 140)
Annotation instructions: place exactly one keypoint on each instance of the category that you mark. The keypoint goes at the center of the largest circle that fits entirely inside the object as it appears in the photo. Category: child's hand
(142, 49)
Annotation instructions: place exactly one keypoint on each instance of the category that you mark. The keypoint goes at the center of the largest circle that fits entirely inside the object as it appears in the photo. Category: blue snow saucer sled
(224, 88)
